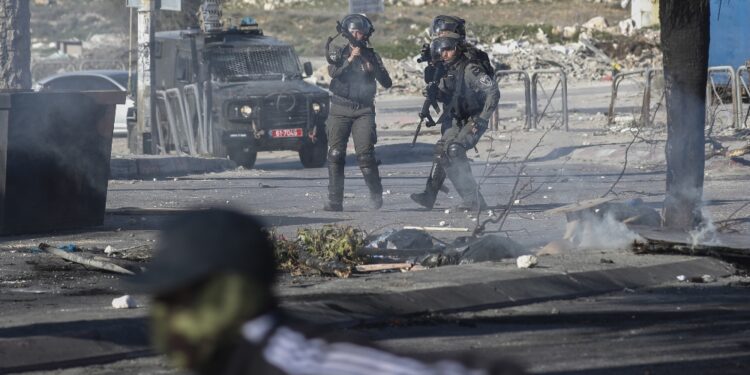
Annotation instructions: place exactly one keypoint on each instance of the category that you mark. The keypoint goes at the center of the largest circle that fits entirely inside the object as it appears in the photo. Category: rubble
(526, 261)
(124, 302)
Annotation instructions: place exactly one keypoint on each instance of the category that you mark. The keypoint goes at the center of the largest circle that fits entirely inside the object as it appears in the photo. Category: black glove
(479, 127)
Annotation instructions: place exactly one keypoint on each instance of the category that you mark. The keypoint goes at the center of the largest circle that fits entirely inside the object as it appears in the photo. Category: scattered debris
(681, 278)
(86, 260)
(491, 247)
(405, 239)
(527, 261)
(330, 250)
(384, 267)
(708, 279)
(124, 302)
(442, 228)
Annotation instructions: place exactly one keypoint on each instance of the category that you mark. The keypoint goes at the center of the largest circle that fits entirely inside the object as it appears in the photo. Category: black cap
(198, 244)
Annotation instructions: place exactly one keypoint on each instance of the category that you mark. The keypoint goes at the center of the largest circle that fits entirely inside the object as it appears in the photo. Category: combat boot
(434, 184)
(369, 167)
(335, 188)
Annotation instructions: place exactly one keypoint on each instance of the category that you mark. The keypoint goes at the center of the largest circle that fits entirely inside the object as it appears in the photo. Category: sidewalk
(138, 167)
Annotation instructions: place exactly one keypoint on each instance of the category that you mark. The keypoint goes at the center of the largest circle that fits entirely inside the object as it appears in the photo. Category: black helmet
(441, 44)
(450, 24)
(358, 22)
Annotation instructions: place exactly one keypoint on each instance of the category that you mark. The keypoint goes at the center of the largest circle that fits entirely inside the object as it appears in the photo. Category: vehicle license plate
(286, 133)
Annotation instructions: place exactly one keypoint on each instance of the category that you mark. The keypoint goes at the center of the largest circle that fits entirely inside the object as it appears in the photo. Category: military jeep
(254, 87)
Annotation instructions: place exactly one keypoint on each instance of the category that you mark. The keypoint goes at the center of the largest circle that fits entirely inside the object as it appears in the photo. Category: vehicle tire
(243, 156)
(313, 155)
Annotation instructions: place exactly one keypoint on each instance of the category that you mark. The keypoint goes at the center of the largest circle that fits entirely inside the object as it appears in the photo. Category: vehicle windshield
(255, 63)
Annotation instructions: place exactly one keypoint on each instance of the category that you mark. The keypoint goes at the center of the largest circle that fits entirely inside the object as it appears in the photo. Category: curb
(142, 167)
(370, 306)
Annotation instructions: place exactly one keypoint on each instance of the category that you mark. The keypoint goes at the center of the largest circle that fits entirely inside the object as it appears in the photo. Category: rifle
(430, 100)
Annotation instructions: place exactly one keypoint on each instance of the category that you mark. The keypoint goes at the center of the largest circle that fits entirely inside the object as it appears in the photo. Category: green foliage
(330, 243)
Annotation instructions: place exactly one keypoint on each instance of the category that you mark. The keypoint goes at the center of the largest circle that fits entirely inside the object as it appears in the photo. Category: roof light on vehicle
(316, 107)
(246, 111)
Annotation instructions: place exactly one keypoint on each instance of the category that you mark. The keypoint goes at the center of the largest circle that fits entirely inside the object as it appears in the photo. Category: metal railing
(742, 90)
(562, 82)
(524, 76)
(714, 93)
(184, 123)
(648, 77)
(194, 110)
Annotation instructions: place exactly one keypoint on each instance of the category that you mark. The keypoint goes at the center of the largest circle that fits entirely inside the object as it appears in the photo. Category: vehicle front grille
(277, 113)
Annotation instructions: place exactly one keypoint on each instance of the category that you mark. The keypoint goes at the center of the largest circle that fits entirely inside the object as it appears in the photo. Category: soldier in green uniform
(470, 97)
(354, 70)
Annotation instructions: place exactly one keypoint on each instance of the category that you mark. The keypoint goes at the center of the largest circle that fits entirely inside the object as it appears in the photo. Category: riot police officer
(443, 25)
(354, 70)
(470, 97)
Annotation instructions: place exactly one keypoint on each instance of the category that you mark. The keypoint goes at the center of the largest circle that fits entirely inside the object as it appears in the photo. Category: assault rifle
(433, 73)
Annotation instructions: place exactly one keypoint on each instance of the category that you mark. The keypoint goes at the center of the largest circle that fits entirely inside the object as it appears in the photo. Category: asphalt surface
(656, 328)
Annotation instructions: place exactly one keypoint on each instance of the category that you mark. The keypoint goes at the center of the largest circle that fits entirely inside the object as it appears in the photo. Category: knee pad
(367, 161)
(336, 156)
(456, 151)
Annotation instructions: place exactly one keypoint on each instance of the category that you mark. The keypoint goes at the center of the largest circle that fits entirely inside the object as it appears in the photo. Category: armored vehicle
(253, 85)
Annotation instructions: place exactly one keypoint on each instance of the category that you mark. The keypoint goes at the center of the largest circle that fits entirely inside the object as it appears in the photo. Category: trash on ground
(124, 302)
(527, 261)
(491, 247)
(405, 239)
(84, 259)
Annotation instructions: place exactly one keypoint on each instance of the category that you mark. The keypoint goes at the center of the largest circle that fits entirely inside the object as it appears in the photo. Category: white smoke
(605, 232)
(705, 233)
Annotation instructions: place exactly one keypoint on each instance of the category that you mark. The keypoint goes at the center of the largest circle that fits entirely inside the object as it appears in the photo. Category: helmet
(358, 22)
(441, 44)
(448, 23)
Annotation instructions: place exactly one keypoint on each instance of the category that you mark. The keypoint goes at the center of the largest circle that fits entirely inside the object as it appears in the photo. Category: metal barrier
(183, 123)
(162, 102)
(713, 94)
(194, 112)
(742, 90)
(562, 81)
(648, 75)
(527, 96)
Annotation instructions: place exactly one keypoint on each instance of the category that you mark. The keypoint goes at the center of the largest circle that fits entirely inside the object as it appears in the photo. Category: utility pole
(146, 91)
(15, 54)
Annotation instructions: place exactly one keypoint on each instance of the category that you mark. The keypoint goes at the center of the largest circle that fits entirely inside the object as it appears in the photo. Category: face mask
(192, 327)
